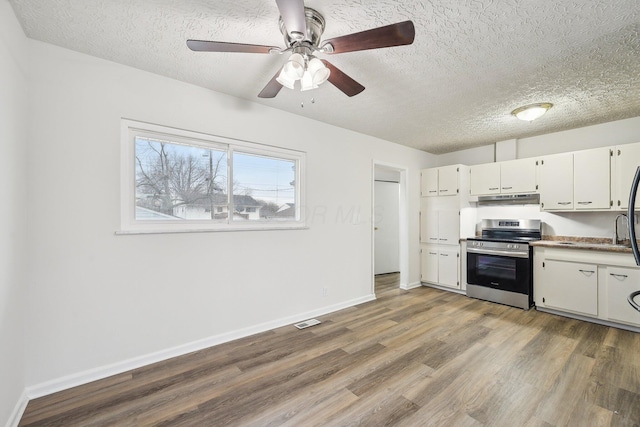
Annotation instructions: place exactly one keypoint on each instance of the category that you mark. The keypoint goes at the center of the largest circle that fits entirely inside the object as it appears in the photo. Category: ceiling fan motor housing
(315, 27)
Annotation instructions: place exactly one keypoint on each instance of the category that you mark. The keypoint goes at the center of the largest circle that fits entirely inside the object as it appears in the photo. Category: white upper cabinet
(443, 181)
(485, 179)
(428, 224)
(518, 176)
(449, 227)
(555, 181)
(627, 160)
(440, 226)
(448, 180)
(429, 182)
(591, 179)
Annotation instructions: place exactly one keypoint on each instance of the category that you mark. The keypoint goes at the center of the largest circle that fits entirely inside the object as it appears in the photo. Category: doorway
(389, 224)
(386, 226)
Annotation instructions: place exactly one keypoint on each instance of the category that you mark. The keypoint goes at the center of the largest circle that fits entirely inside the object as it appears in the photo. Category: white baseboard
(80, 378)
(413, 285)
(16, 415)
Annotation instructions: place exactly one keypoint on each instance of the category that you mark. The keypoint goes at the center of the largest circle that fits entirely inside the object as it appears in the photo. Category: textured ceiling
(471, 64)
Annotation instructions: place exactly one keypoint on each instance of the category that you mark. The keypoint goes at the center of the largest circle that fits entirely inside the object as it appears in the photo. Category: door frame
(404, 221)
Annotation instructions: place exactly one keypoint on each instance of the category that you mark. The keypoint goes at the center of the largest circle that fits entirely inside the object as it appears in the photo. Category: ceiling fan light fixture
(294, 66)
(286, 80)
(306, 83)
(319, 72)
(531, 112)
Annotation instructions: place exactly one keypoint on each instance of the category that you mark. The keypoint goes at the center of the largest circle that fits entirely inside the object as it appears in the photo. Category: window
(175, 180)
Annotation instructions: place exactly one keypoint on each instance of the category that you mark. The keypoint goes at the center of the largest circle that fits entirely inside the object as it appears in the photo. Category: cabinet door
(627, 161)
(556, 182)
(449, 227)
(448, 268)
(429, 182)
(518, 176)
(429, 226)
(620, 283)
(448, 180)
(485, 179)
(570, 286)
(591, 179)
(429, 265)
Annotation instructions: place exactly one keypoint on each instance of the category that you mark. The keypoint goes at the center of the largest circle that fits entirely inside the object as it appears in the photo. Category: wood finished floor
(410, 358)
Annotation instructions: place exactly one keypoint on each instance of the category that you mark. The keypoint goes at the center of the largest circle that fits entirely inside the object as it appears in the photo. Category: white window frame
(130, 225)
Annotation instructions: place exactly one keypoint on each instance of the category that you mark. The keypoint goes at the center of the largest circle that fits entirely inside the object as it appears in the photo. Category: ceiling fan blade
(398, 34)
(272, 88)
(293, 16)
(208, 46)
(343, 82)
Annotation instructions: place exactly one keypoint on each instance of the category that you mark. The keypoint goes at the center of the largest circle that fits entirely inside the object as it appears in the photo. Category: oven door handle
(509, 254)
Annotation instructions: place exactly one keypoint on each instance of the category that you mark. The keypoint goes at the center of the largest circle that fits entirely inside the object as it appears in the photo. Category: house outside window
(175, 180)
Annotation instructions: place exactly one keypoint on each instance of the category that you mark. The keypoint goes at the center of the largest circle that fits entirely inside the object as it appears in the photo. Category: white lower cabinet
(448, 267)
(441, 265)
(620, 282)
(429, 267)
(591, 284)
(569, 286)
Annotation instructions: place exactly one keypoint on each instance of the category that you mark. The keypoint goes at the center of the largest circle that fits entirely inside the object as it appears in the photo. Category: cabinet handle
(433, 191)
(443, 239)
(586, 271)
(624, 276)
(564, 203)
(433, 238)
(433, 253)
(584, 203)
(493, 188)
(507, 188)
(444, 254)
(443, 191)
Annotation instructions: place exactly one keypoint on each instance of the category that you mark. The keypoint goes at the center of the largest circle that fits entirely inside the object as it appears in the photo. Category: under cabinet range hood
(510, 199)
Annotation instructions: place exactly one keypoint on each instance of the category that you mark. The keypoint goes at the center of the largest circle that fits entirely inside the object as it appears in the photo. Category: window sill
(209, 230)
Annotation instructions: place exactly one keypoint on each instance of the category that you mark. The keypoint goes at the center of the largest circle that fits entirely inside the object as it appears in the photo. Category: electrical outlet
(325, 292)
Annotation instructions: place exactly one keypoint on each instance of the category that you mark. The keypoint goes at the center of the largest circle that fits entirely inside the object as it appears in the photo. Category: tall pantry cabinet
(445, 218)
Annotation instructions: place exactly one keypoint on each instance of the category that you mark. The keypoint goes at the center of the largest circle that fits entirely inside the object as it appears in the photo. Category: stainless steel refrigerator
(633, 297)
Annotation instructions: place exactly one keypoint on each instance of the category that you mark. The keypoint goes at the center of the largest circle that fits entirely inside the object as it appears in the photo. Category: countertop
(582, 243)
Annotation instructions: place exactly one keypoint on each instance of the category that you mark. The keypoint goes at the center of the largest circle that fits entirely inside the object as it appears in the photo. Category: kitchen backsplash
(580, 224)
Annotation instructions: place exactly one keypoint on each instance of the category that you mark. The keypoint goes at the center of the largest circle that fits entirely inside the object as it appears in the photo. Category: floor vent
(307, 323)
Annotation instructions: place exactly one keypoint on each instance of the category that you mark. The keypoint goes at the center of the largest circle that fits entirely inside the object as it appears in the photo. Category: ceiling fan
(302, 28)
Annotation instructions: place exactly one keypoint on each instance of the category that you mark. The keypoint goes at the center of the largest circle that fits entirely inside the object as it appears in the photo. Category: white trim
(413, 285)
(199, 230)
(404, 220)
(85, 377)
(445, 288)
(589, 319)
(18, 410)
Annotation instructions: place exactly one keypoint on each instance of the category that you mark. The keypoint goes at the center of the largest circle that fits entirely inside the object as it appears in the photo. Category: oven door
(503, 272)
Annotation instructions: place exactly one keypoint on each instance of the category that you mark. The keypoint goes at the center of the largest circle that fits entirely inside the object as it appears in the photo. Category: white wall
(624, 131)
(471, 156)
(101, 299)
(13, 165)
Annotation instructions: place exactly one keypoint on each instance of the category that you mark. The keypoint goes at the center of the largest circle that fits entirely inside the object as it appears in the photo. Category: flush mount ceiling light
(531, 112)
